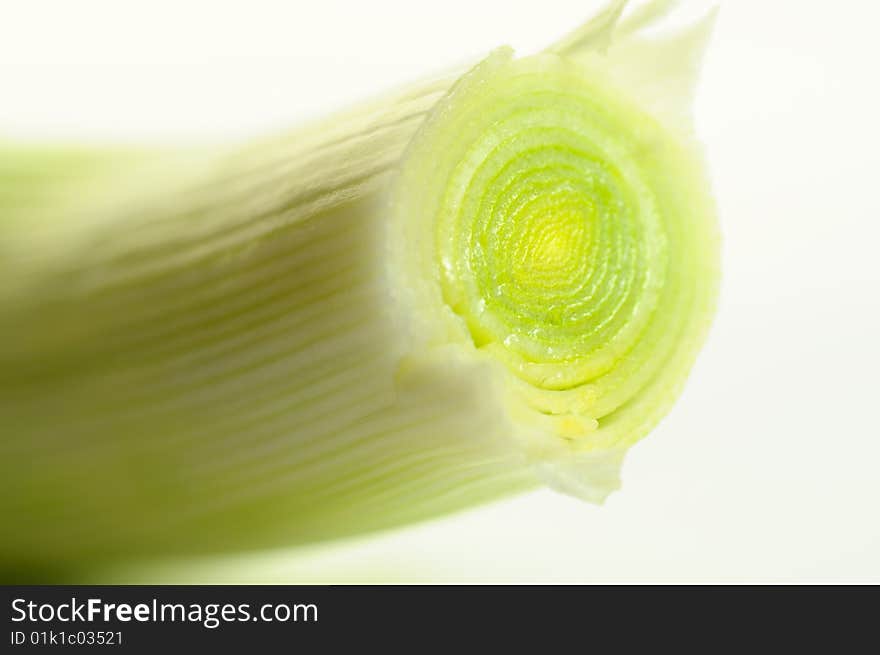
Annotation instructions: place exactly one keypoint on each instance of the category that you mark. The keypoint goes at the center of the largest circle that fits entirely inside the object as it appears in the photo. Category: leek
(488, 281)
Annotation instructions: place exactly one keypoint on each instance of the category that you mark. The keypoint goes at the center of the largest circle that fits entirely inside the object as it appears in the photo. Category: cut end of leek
(483, 283)
(560, 224)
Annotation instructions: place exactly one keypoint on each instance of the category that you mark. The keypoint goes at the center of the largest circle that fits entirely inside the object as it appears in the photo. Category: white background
(768, 469)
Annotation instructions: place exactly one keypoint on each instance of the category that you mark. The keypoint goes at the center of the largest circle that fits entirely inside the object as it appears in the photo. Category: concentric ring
(570, 234)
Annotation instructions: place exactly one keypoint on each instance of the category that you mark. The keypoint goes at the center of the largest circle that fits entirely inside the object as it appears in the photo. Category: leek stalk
(488, 281)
